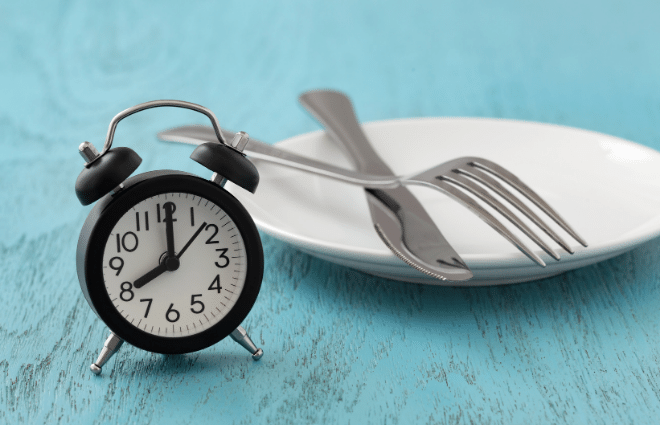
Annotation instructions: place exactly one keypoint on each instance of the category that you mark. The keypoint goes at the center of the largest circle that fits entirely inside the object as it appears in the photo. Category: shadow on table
(177, 364)
(613, 285)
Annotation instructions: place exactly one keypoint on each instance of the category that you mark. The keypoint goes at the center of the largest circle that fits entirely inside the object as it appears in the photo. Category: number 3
(223, 256)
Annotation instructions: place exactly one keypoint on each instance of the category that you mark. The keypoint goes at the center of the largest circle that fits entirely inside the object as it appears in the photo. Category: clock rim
(107, 213)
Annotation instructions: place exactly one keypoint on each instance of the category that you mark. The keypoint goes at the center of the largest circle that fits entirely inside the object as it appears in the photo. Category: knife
(399, 218)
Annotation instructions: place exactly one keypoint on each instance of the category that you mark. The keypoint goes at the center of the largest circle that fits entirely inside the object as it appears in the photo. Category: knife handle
(335, 111)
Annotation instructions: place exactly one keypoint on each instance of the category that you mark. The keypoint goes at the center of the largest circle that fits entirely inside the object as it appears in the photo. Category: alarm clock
(171, 262)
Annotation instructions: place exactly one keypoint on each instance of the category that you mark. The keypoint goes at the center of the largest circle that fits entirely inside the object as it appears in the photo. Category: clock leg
(111, 346)
(240, 335)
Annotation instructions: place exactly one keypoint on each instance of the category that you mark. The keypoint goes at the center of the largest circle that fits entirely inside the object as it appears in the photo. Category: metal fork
(464, 179)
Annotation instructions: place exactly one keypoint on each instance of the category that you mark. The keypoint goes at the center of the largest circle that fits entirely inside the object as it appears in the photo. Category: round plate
(605, 187)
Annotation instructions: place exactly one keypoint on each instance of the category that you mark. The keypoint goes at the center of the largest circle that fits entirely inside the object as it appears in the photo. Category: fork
(464, 179)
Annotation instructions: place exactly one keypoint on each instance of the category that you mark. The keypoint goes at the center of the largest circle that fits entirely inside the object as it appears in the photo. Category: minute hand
(169, 227)
(399, 218)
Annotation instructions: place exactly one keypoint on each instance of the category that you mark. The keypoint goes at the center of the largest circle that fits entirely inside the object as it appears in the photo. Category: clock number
(114, 267)
(192, 216)
(223, 256)
(146, 221)
(210, 240)
(168, 206)
(216, 284)
(127, 288)
(171, 311)
(121, 242)
(193, 302)
(149, 300)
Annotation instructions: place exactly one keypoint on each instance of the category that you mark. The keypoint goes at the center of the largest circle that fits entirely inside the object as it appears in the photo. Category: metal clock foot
(111, 346)
(240, 335)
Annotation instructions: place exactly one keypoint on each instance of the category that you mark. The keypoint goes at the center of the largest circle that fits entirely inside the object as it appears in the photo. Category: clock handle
(241, 336)
(156, 104)
(111, 346)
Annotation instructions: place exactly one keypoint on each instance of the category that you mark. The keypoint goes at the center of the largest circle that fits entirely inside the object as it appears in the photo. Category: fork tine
(489, 182)
(470, 203)
(482, 194)
(514, 181)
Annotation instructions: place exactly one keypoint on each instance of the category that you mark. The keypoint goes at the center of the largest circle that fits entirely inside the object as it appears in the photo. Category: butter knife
(399, 218)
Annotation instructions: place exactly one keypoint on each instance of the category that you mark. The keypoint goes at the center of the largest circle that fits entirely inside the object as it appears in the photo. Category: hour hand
(169, 264)
(151, 275)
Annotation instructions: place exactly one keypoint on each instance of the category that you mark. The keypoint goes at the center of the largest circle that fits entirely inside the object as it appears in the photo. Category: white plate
(607, 188)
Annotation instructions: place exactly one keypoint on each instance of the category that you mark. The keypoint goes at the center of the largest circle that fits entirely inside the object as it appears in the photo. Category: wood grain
(340, 346)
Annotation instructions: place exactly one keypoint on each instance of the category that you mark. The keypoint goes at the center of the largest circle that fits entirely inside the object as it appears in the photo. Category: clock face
(187, 290)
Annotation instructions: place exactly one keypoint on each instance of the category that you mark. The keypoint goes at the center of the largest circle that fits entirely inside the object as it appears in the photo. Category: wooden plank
(340, 346)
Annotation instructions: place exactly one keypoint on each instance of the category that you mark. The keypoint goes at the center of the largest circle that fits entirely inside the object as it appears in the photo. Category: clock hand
(151, 275)
(168, 264)
(169, 227)
(191, 240)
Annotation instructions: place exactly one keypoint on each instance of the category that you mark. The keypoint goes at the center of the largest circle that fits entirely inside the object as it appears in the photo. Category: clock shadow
(197, 362)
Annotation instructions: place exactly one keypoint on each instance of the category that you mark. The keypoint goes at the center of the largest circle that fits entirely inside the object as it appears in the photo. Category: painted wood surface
(341, 346)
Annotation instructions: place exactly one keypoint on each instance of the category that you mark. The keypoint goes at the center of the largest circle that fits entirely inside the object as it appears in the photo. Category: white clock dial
(212, 265)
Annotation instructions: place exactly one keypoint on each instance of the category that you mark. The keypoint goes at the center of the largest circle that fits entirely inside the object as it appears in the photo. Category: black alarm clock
(171, 262)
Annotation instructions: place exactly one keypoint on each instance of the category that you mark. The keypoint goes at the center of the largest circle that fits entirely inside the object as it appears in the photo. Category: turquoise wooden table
(340, 346)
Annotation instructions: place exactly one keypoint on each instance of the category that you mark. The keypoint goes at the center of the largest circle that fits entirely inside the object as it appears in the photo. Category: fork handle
(335, 111)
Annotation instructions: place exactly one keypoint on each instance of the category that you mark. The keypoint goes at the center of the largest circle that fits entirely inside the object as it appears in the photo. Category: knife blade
(398, 217)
